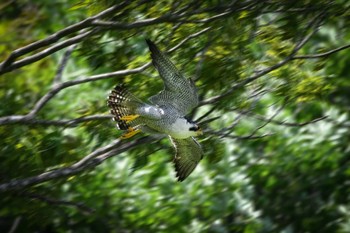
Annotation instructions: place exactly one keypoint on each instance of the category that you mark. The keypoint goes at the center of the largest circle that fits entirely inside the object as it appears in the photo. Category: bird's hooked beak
(199, 132)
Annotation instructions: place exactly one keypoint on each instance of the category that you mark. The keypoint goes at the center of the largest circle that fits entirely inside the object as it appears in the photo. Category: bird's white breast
(180, 129)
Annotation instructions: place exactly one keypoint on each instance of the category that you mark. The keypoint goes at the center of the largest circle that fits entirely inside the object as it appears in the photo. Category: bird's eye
(195, 128)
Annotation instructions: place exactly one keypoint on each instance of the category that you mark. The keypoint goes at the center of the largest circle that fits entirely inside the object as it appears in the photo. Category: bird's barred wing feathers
(178, 91)
(188, 154)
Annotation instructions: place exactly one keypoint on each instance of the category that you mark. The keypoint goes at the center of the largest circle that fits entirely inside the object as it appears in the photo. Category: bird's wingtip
(149, 42)
(152, 46)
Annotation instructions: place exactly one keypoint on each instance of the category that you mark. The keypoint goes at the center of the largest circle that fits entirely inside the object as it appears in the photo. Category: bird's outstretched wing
(188, 154)
(178, 91)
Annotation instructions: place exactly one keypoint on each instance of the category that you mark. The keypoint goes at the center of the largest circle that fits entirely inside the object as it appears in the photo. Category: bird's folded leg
(129, 118)
(130, 133)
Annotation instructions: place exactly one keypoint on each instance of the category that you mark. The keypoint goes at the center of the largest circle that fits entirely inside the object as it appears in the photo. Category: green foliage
(304, 173)
(296, 179)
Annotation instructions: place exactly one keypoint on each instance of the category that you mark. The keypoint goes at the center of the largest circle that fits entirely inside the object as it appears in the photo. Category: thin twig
(263, 72)
(205, 115)
(15, 224)
(60, 86)
(94, 159)
(167, 18)
(57, 88)
(270, 119)
(188, 38)
(63, 63)
(6, 66)
(25, 120)
(46, 52)
(321, 55)
(78, 205)
(289, 124)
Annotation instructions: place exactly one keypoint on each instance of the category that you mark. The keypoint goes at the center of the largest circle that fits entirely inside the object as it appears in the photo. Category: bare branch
(78, 205)
(63, 63)
(228, 10)
(267, 70)
(175, 17)
(188, 38)
(60, 86)
(249, 137)
(6, 65)
(244, 137)
(207, 121)
(284, 123)
(57, 88)
(90, 161)
(205, 115)
(13, 119)
(137, 24)
(46, 52)
(241, 84)
(321, 55)
(15, 224)
(226, 132)
(25, 120)
(270, 119)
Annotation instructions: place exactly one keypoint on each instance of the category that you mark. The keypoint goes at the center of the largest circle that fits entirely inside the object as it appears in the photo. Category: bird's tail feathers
(123, 104)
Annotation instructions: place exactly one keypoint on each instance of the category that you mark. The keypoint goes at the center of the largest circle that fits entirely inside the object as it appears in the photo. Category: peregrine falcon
(164, 114)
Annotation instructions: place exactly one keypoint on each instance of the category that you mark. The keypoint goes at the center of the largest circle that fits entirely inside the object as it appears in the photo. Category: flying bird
(163, 114)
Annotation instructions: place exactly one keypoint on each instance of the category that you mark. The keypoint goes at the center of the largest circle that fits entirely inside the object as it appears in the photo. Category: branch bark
(322, 55)
(78, 205)
(95, 23)
(30, 117)
(7, 65)
(46, 52)
(88, 162)
(25, 120)
(297, 47)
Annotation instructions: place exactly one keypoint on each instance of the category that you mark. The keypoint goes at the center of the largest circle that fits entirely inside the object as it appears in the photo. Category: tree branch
(226, 132)
(30, 117)
(267, 70)
(63, 63)
(175, 17)
(15, 224)
(78, 205)
(58, 87)
(289, 124)
(25, 120)
(7, 66)
(320, 55)
(88, 162)
(46, 52)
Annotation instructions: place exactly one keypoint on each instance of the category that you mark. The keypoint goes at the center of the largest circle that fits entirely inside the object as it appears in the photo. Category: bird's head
(195, 129)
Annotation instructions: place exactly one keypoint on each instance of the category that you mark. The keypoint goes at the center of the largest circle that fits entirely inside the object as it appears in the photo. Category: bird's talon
(131, 132)
(129, 118)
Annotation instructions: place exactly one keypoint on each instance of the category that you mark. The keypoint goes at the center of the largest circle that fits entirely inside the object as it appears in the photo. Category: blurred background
(272, 77)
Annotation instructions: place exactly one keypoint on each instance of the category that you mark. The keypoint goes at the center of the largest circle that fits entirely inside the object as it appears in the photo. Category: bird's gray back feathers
(178, 91)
